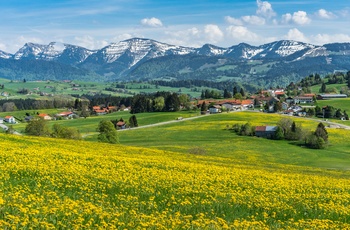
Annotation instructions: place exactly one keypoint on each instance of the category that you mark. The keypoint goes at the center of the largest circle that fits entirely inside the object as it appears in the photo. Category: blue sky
(96, 23)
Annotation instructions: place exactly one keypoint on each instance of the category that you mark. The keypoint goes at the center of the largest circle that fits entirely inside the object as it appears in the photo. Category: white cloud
(90, 42)
(300, 18)
(122, 37)
(188, 37)
(3, 46)
(326, 38)
(241, 33)
(296, 35)
(234, 21)
(151, 22)
(265, 9)
(254, 20)
(322, 13)
(213, 33)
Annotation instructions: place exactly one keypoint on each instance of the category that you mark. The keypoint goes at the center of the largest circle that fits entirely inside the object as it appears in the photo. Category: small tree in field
(37, 127)
(107, 132)
(133, 121)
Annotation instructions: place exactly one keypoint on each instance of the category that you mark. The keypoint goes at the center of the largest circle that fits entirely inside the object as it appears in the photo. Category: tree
(338, 113)
(234, 91)
(242, 92)
(346, 116)
(227, 94)
(185, 101)
(37, 127)
(321, 132)
(277, 106)
(107, 132)
(158, 104)
(278, 134)
(66, 132)
(323, 88)
(9, 107)
(238, 96)
(172, 103)
(246, 130)
(203, 107)
(285, 124)
(133, 121)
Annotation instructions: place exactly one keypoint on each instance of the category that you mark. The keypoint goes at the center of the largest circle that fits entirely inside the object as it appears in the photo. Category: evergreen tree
(133, 121)
(203, 107)
(242, 92)
(235, 91)
(323, 88)
(227, 94)
(346, 115)
(321, 132)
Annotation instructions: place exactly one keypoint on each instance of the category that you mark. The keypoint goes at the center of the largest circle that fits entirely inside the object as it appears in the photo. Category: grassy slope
(210, 135)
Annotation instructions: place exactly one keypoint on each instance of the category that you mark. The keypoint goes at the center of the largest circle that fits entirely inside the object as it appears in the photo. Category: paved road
(327, 123)
(5, 128)
(164, 123)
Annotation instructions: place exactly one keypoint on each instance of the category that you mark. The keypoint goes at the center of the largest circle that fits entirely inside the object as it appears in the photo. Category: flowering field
(51, 183)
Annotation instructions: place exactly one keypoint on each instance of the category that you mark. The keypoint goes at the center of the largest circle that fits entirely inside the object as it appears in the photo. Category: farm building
(331, 96)
(265, 131)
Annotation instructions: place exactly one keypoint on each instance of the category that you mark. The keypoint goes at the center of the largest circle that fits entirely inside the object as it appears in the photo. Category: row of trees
(238, 94)
(287, 129)
(40, 127)
(159, 102)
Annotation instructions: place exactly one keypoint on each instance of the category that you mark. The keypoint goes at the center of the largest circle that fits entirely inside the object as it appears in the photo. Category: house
(1, 120)
(265, 131)
(45, 116)
(67, 114)
(28, 118)
(10, 119)
(121, 125)
(100, 111)
(303, 100)
(215, 109)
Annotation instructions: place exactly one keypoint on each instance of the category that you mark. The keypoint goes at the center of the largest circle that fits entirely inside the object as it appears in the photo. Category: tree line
(287, 129)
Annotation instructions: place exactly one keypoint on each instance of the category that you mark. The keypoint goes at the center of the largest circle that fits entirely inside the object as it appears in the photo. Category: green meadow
(208, 135)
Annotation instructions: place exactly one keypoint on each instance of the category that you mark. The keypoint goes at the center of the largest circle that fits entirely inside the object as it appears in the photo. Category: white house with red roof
(10, 119)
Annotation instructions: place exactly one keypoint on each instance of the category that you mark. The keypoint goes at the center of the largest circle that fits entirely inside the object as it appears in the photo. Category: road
(328, 123)
(5, 128)
(164, 123)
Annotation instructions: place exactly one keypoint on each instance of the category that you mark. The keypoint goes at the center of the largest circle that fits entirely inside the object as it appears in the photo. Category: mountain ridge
(120, 60)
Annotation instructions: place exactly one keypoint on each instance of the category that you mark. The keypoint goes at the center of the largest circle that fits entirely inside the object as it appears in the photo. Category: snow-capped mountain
(54, 51)
(132, 57)
(137, 50)
(132, 51)
(5, 55)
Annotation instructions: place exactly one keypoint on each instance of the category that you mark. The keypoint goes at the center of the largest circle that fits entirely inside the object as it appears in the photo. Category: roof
(65, 113)
(100, 111)
(260, 128)
(43, 115)
(7, 117)
(266, 128)
(120, 123)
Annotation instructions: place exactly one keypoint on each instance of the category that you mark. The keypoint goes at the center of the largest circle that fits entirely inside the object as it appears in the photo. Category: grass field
(88, 125)
(153, 180)
(65, 88)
